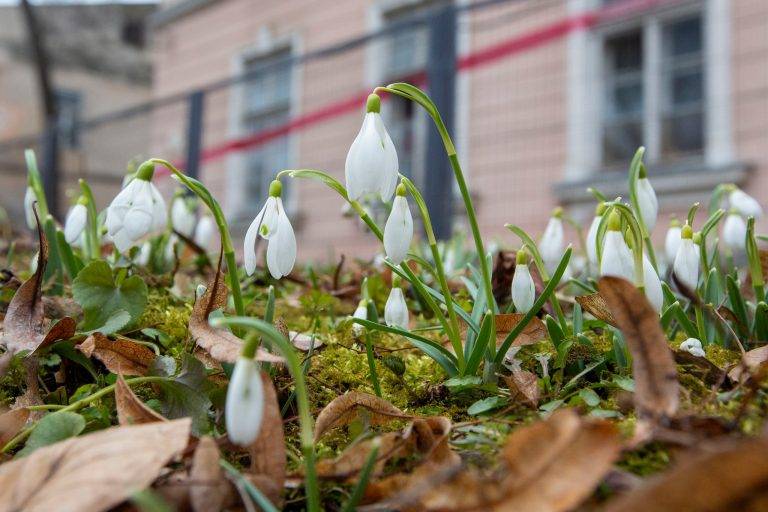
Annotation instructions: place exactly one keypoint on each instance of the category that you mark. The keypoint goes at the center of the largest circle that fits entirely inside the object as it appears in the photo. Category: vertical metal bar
(441, 77)
(49, 171)
(194, 133)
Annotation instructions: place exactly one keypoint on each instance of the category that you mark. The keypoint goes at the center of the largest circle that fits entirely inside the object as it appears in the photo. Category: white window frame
(585, 60)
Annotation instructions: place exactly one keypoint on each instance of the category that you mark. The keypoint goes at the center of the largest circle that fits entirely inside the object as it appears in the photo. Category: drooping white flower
(592, 235)
(672, 241)
(617, 258)
(735, 232)
(183, 215)
(29, 212)
(398, 231)
(523, 289)
(686, 266)
(137, 211)
(170, 249)
(207, 234)
(744, 203)
(647, 201)
(551, 243)
(244, 409)
(371, 166)
(273, 225)
(142, 258)
(74, 225)
(396, 309)
(693, 346)
(652, 285)
(362, 313)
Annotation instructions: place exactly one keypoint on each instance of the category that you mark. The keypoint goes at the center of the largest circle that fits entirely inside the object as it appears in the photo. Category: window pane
(683, 135)
(684, 37)
(623, 109)
(621, 140)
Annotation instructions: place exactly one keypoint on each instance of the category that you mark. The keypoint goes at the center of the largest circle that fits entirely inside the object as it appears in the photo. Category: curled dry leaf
(221, 344)
(11, 423)
(653, 367)
(704, 369)
(268, 453)
(524, 384)
(351, 461)
(750, 362)
(209, 489)
(725, 476)
(432, 436)
(131, 410)
(344, 409)
(92, 473)
(534, 332)
(122, 356)
(23, 325)
(595, 305)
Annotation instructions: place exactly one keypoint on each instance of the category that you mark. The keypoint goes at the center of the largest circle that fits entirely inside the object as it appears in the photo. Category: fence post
(194, 133)
(441, 77)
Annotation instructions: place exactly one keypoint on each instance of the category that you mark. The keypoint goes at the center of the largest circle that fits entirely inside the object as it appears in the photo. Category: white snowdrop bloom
(273, 225)
(142, 258)
(592, 235)
(244, 409)
(744, 203)
(686, 266)
(398, 231)
(137, 211)
(672, 241)
(75, 223)
(207, 234)
(523, 289)
(735, 232)
(551, 243)
(617, 258)
(396, 310)
(647, 201)
(693, 346)
(29, 211)
(371, 166)
(170, 249)
(183, 215)
(362, 313)
(652, 285)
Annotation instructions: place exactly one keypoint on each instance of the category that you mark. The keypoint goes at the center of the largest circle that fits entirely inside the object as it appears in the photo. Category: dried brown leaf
(209, 490)
(533, 332)
(11, 423)
(304, 342)
(344, 409)
(763, 253)
(268, 453)
(524, 384)
(92, 473)
(432, 436)
(121, 356)
(653, 367)
(351, 461)
(704, 369)
(750, 362)
(725, 477)
(595, 305)
(131, 410)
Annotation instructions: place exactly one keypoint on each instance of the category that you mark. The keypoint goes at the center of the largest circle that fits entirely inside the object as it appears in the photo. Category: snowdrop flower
(592, 235)
(646, 200)
(523, 289)
(617, 257)
(686, 266)
(170, 249)
(77, 218)
(273, 225)
(207, 234)
(371, 166)
(744, 203)
(29, 211)
(396, 310)
(137, 211)
(362, 313)
(735, 232)
(398, 231)
(183, 215)
(142, 258)
(244, 410)
(693, 346)
(672, 240)
(551, 243)
(652, 285)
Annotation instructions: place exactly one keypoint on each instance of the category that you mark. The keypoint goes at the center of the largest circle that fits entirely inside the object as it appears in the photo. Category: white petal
(617, 258)
(735, 232)
(75, 223)
(592, 241)
(396, 309)
(281, 251)
(371, 165)
(206, 233)
(398, 231)
(652, 285)
(686, 265)
(391, 164)
(120, 205)
(693, 346)
(144, 253)
(138, 222)
(244, 409)
(362, 313)
(745, 204)
(672, 243)
(523, 289)
(159, 213)
(649, 205)
(551, 244)
(182, 217)
(29, 212)
(122, 241)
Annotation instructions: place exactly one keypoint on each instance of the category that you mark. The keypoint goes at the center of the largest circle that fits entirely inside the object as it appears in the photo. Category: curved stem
(92, 232)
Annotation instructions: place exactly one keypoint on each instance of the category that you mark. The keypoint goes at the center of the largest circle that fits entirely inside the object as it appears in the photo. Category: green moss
(167, 314)
(646, 461)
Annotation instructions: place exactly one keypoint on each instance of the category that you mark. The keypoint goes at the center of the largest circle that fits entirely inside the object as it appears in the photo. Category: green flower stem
(753, 258)
(36, 182)
(93, 241)
(306, 422)
(218, 215)
(372, 364)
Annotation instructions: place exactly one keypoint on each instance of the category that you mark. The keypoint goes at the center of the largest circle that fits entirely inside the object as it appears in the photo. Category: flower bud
(244, 409)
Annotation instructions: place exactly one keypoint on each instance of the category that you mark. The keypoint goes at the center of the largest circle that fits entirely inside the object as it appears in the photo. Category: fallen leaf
(595, 305)
(131, 410)
(726, 476)
(91, 473)
(524, 384)
(268, 452)
(533, 332)
(653, 367)
(701, 367)
(351, 461)
(11, 423)
(304, 342)
(221, 344)
(750, 362)
(432, 436)
(209, 489)
(344, 409)
(121, 356)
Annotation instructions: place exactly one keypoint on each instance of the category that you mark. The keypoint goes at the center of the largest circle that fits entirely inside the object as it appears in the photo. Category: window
(654, 90)
(69, 106)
